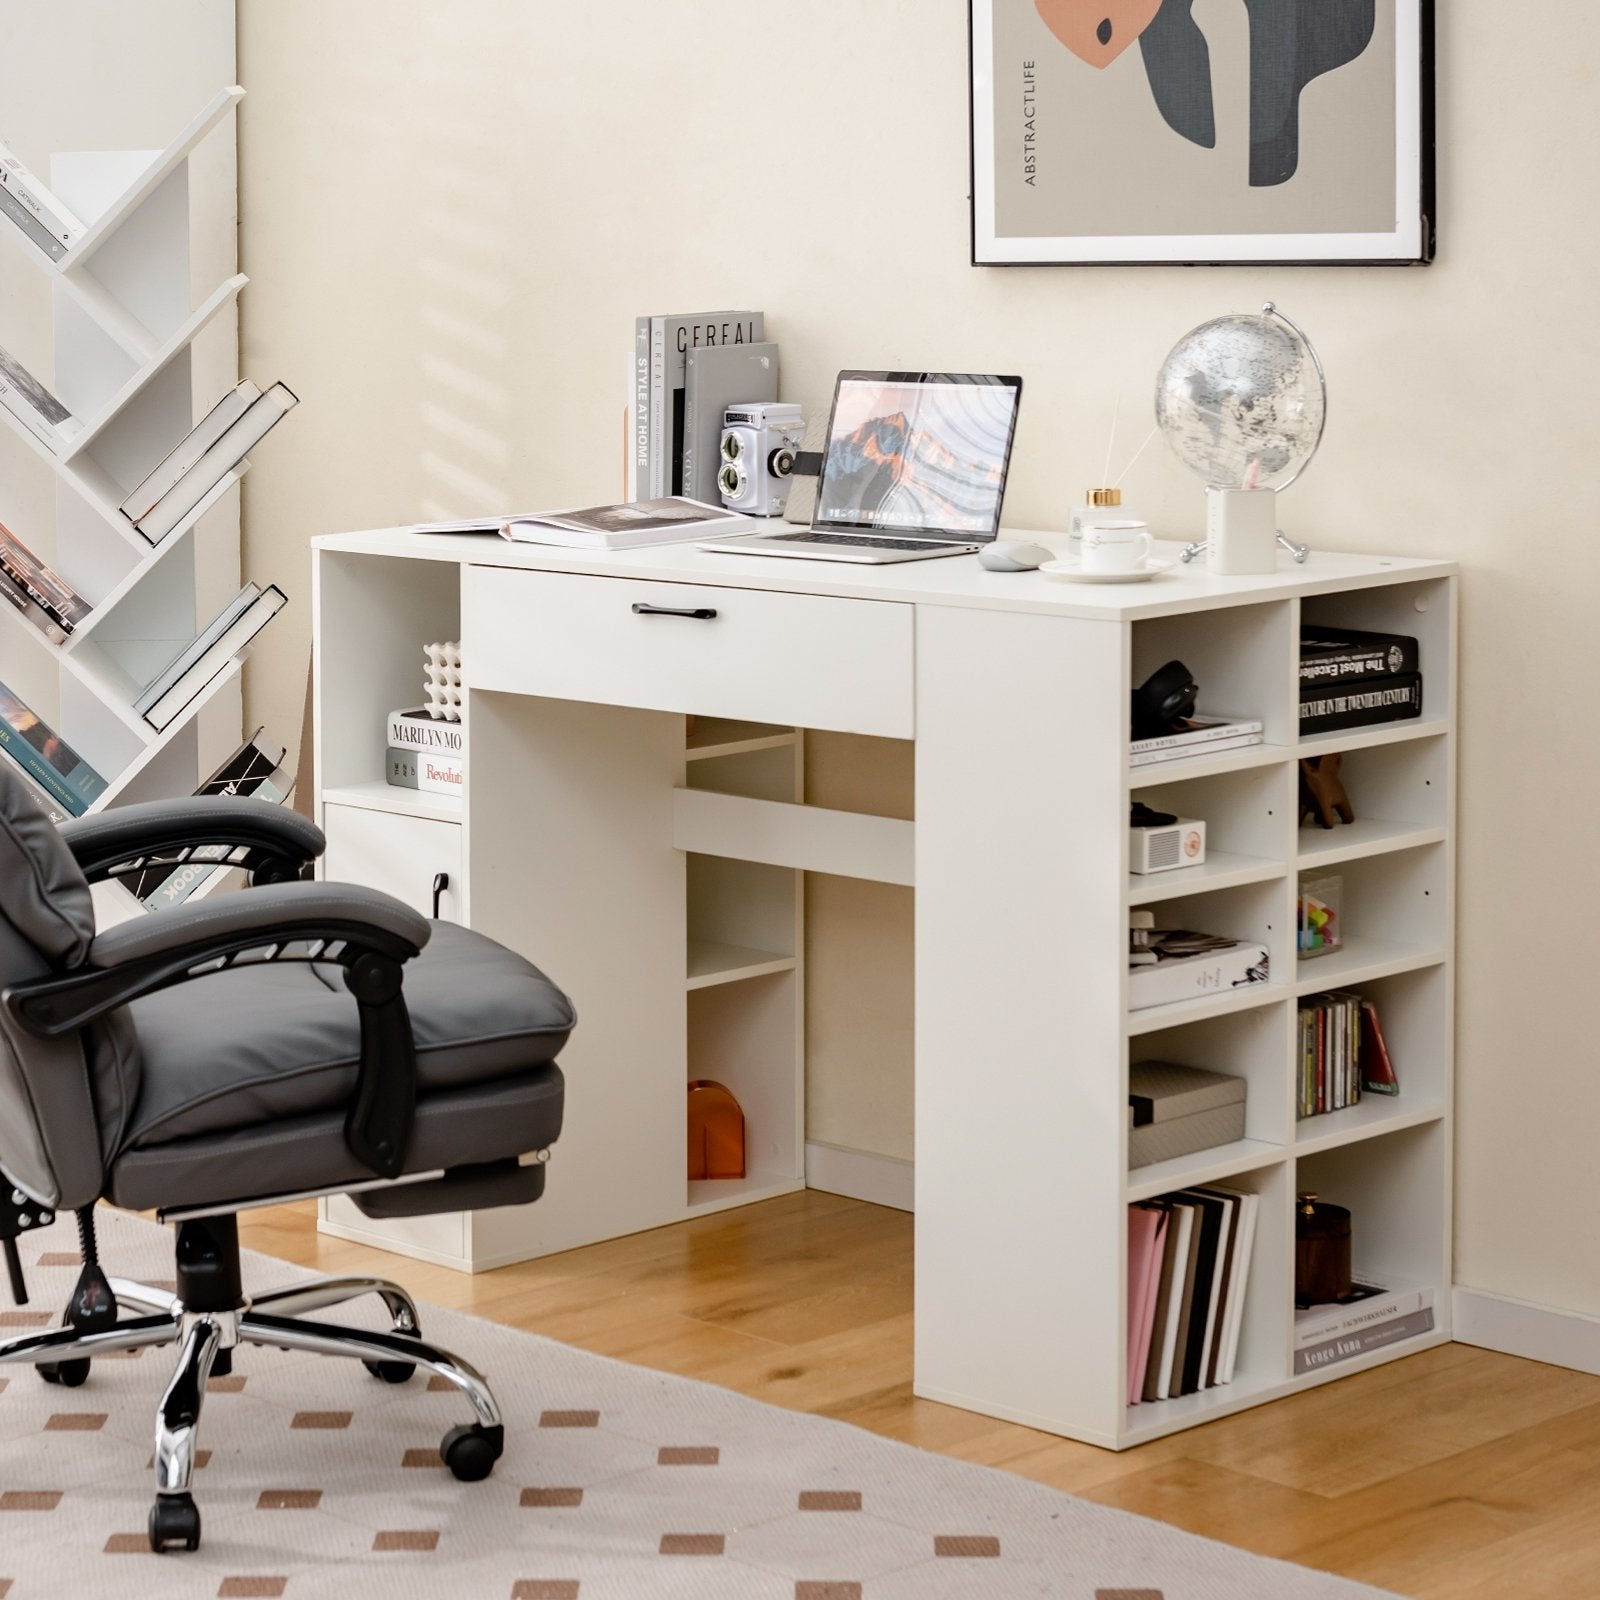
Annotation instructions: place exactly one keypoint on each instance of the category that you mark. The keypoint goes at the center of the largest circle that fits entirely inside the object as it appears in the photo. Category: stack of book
(35, 212)
(1166, 964)
(59, 778)
(34, 406)
(205, 655)
(425, 753)
(686, 371)
(1197, 736)
(256, 769)
(1349, 679)
(1342, 1053)
(43, 597)
(1368, 1318)
(205, 456)
(1188, 1273)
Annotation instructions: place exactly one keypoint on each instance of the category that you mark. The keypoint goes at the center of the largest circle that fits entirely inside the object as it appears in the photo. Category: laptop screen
(918, 453)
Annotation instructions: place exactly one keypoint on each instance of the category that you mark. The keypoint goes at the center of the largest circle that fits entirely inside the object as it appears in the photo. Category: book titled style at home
(45, 756)
(622, 527)
(43, 597)
(34, 406)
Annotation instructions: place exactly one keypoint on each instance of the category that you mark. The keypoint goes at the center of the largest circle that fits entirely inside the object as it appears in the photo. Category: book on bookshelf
(1347, 1346)
(1169, 1301)
(235, 443)
(627, 526)
(1147, 1229)
(256, 769)
(34, 406)
(45, 756)
(414, 729)
(40, 217)
(1378, 1075)
(1331, 1075)
(1368, 1305)
(1393, 698)
(166, 473)
(45, 598)
(1233, 964)
(427, 771)
(671, 340)
(1202, 736)
(205, 655)
(715, 378)
(1345, 655)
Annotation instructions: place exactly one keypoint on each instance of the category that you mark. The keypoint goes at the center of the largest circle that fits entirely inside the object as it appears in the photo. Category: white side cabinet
(403, 855)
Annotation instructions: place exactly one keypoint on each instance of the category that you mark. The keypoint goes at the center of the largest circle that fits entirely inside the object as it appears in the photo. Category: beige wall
(452, 215)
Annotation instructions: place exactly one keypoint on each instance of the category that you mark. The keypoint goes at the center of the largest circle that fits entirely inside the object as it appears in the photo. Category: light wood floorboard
(1457, 1474)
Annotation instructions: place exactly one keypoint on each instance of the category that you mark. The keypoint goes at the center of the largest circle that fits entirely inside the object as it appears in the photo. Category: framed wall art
(1202, 131)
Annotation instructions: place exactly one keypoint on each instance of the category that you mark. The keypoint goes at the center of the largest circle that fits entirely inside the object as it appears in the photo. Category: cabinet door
(400, 855)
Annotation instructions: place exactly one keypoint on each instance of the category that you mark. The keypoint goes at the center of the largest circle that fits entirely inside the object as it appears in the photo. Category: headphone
(1165, 698)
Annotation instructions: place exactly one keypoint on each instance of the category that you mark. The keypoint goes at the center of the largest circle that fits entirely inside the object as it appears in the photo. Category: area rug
(318, 1482)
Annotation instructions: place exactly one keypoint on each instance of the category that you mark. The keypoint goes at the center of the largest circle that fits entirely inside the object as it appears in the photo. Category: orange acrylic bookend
(716, 1132)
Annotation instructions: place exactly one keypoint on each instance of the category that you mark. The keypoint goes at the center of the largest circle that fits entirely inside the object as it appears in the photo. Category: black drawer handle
(441, 882)
(696, 613)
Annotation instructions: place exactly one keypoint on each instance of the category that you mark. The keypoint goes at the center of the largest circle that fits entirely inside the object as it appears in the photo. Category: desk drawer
(812, 661)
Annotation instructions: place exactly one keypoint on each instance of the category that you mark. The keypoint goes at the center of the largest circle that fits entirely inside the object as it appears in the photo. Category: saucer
(1072, 572)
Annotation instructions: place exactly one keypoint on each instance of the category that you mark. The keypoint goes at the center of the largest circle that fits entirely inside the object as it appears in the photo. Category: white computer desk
(589, 838)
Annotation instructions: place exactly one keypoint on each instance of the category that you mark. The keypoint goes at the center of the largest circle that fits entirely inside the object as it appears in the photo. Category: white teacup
(1115, 546)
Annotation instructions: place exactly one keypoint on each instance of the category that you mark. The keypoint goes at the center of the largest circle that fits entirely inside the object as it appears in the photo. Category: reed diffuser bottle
(1098, 505)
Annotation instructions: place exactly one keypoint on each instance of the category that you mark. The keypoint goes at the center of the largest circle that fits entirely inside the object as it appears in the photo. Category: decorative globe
(1242, 401)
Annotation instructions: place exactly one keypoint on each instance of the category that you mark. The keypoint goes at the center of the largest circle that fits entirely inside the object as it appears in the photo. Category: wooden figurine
(1322, 793)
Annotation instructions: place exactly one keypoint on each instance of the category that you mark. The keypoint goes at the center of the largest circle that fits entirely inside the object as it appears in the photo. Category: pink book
(1147, 1228)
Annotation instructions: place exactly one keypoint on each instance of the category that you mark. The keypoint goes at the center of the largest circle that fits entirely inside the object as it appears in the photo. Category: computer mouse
(1014, 555)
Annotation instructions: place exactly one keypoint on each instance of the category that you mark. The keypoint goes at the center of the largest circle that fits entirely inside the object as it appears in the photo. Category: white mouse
(1013, 555)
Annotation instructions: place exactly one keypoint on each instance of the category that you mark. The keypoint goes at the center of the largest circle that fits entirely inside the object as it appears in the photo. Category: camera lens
(780, 463)
(731, 480)
(732, 445)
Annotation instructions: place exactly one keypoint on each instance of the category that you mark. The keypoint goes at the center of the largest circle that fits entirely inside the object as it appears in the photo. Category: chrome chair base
(63, 1356)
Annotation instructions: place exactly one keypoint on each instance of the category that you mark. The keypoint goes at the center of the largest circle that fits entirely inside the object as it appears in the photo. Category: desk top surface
(955, 581)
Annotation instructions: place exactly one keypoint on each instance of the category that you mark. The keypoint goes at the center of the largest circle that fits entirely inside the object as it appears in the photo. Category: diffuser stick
(1136, 454)
(1111, 443)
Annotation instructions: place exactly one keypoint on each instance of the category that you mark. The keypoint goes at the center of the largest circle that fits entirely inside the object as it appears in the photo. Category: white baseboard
(1520, 1328)
(859, 1175)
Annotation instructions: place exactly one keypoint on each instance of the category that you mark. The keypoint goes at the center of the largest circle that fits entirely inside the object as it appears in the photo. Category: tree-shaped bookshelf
(124, 322)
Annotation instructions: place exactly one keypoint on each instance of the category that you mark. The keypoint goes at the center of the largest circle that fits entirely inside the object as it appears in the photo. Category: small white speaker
(1174, 844)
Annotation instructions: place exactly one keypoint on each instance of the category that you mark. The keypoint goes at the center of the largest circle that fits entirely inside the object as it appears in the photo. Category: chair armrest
(271, 842)
(370, 935)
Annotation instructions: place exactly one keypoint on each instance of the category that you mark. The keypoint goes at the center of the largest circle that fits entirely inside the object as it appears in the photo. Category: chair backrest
(51, 1143)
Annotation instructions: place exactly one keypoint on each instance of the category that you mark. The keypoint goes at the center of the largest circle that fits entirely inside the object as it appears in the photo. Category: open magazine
(619, 527)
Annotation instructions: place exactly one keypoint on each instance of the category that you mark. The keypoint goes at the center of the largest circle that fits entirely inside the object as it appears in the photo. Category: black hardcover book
(1345, 655)
(1204, 1271)
(1325, 708)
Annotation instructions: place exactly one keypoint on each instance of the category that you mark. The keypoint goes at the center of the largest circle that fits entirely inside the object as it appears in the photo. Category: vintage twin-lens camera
(758, 450)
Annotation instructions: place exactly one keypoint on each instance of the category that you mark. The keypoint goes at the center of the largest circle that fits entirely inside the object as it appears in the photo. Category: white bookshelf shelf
(158, 742)
(1366, 836)
(707, 1195)
(722, 736)
(1373, 1114)
(711, 963)
(1204, 1166)
(1176, 1013)
(1370, 738)
(1243, 759)
(107, 224)
(1362, 960)
(1220, 870)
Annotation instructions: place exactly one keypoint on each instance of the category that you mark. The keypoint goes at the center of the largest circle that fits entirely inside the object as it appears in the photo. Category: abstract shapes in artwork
(1097, 31)
(1292, 42)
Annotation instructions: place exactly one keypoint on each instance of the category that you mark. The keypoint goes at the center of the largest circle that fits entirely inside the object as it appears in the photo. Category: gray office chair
(205, 1059)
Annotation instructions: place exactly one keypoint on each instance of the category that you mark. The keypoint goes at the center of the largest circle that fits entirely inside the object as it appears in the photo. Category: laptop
(913, 467)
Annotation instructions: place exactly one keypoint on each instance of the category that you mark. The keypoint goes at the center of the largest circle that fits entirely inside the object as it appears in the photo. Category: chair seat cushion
(266, 1044)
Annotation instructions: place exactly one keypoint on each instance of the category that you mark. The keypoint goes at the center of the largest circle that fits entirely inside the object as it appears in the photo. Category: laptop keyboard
(865, 541)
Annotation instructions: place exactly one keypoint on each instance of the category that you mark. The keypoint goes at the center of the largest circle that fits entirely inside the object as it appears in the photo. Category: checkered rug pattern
(318, 1482)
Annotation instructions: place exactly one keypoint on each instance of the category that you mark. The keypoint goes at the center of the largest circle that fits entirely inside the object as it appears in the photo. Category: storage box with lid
(1174, 1110)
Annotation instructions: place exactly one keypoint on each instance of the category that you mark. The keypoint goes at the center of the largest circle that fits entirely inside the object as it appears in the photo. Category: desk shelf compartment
(1400, 793)
(373, 619)
(1238, 655)
(1415, 1015)
(1248, 816)
(1262, 1358)
(1396, 1187)
(1246, 1044)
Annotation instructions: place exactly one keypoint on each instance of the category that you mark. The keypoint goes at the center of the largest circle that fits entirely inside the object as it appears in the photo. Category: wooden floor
(1456, 1473)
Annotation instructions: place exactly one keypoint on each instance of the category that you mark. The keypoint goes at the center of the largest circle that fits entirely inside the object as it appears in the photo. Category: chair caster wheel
(471, 1452)
(69, 1374)
(174, 1523)
(391, 1371)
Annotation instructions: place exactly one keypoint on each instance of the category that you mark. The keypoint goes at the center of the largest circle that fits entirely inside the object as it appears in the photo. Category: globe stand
(1283, 541)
